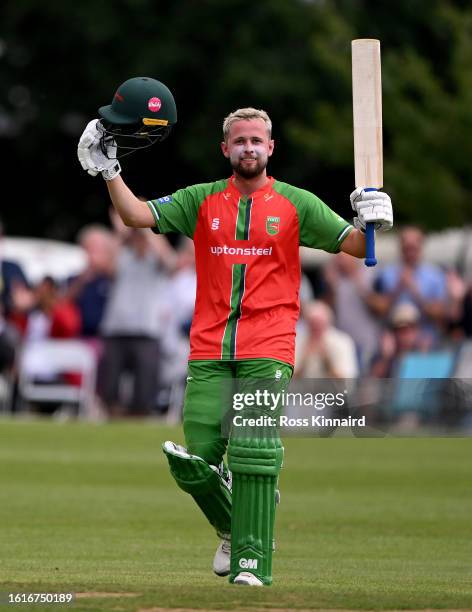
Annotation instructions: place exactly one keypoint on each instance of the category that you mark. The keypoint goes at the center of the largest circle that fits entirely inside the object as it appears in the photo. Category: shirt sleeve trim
(344, 233)
(155, 214)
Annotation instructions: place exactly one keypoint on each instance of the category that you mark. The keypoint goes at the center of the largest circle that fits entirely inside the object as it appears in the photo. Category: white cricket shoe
(248, 578)
(222, 559)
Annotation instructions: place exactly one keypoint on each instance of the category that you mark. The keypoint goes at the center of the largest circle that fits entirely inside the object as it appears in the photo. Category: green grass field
(363, 523)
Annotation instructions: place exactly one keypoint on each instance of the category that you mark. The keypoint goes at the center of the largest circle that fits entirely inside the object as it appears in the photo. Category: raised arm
(133, 211)
(354, 243)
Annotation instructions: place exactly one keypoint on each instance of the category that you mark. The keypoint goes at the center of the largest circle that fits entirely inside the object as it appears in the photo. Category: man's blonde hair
(244, 114)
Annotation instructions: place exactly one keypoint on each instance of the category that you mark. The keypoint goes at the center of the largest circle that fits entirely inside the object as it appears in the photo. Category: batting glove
(91, 156)
(372, 206)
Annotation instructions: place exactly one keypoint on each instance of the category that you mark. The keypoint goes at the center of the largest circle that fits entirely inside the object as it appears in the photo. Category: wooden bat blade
(367, 112)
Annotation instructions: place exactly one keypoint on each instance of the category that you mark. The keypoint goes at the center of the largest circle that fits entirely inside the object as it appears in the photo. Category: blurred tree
(59, 62)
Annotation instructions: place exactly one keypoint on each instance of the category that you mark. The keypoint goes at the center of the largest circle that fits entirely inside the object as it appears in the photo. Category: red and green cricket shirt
(248, 262)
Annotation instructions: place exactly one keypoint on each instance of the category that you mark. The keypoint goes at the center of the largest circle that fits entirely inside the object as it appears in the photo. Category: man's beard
(249, 172)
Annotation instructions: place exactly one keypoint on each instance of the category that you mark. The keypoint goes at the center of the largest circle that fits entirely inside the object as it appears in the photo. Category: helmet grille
(130, 138)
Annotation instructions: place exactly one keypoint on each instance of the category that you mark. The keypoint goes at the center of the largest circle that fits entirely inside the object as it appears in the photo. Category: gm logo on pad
(248, 563)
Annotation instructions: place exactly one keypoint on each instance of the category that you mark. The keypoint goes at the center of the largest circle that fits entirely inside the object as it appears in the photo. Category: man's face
(248, 147)
(406, 336)
(411, 242)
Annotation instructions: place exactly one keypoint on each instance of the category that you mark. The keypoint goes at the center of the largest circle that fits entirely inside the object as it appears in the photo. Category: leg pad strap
(257, 456)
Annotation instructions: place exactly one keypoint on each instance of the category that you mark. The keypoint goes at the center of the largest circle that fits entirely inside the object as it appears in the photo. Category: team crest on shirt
(272, 225)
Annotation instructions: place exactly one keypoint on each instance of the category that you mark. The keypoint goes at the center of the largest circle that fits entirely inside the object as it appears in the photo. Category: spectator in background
(306, 296)
(178, 298)
(403, 336)
(466, 311)
(412, 281)
(306, 293)
(326, 352)
(49, 315)
(11, 276)
(177, 303)
(459, 312)
(90, 289)
(131, 326)
(349, 284)
(8, 343)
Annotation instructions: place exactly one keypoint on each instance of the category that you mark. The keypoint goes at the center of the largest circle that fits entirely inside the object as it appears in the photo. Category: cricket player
(247, 230)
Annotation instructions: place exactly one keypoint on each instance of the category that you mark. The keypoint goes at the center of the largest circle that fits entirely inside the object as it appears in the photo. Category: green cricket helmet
(141, 113)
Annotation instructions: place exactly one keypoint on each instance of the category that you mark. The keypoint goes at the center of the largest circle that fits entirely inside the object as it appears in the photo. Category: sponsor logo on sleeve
(165, 200)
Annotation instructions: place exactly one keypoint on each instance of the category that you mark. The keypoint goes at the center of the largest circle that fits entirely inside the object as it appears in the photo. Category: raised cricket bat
(367, 112)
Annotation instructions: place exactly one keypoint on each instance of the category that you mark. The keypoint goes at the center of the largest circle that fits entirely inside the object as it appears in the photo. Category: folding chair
(43, 359)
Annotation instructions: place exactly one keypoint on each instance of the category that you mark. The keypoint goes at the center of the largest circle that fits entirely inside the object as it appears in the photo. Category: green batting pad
(255, 463)
(204, 483)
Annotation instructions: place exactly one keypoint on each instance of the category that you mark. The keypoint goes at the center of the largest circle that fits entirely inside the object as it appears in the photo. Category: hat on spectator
(404, 314)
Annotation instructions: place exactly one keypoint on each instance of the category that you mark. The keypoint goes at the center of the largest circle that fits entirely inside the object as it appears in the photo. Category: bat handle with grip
(370, 259)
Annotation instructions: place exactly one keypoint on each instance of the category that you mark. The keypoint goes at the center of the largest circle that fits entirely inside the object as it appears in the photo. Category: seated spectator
(326, 352)
(90, 289)
(49, 315)
(404, 336)
(412, 281)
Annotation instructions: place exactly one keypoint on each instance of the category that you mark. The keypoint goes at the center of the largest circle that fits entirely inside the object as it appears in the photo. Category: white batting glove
(90, 154)
(372, 206)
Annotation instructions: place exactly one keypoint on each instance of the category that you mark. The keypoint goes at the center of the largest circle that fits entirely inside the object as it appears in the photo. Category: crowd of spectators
(133, 304)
